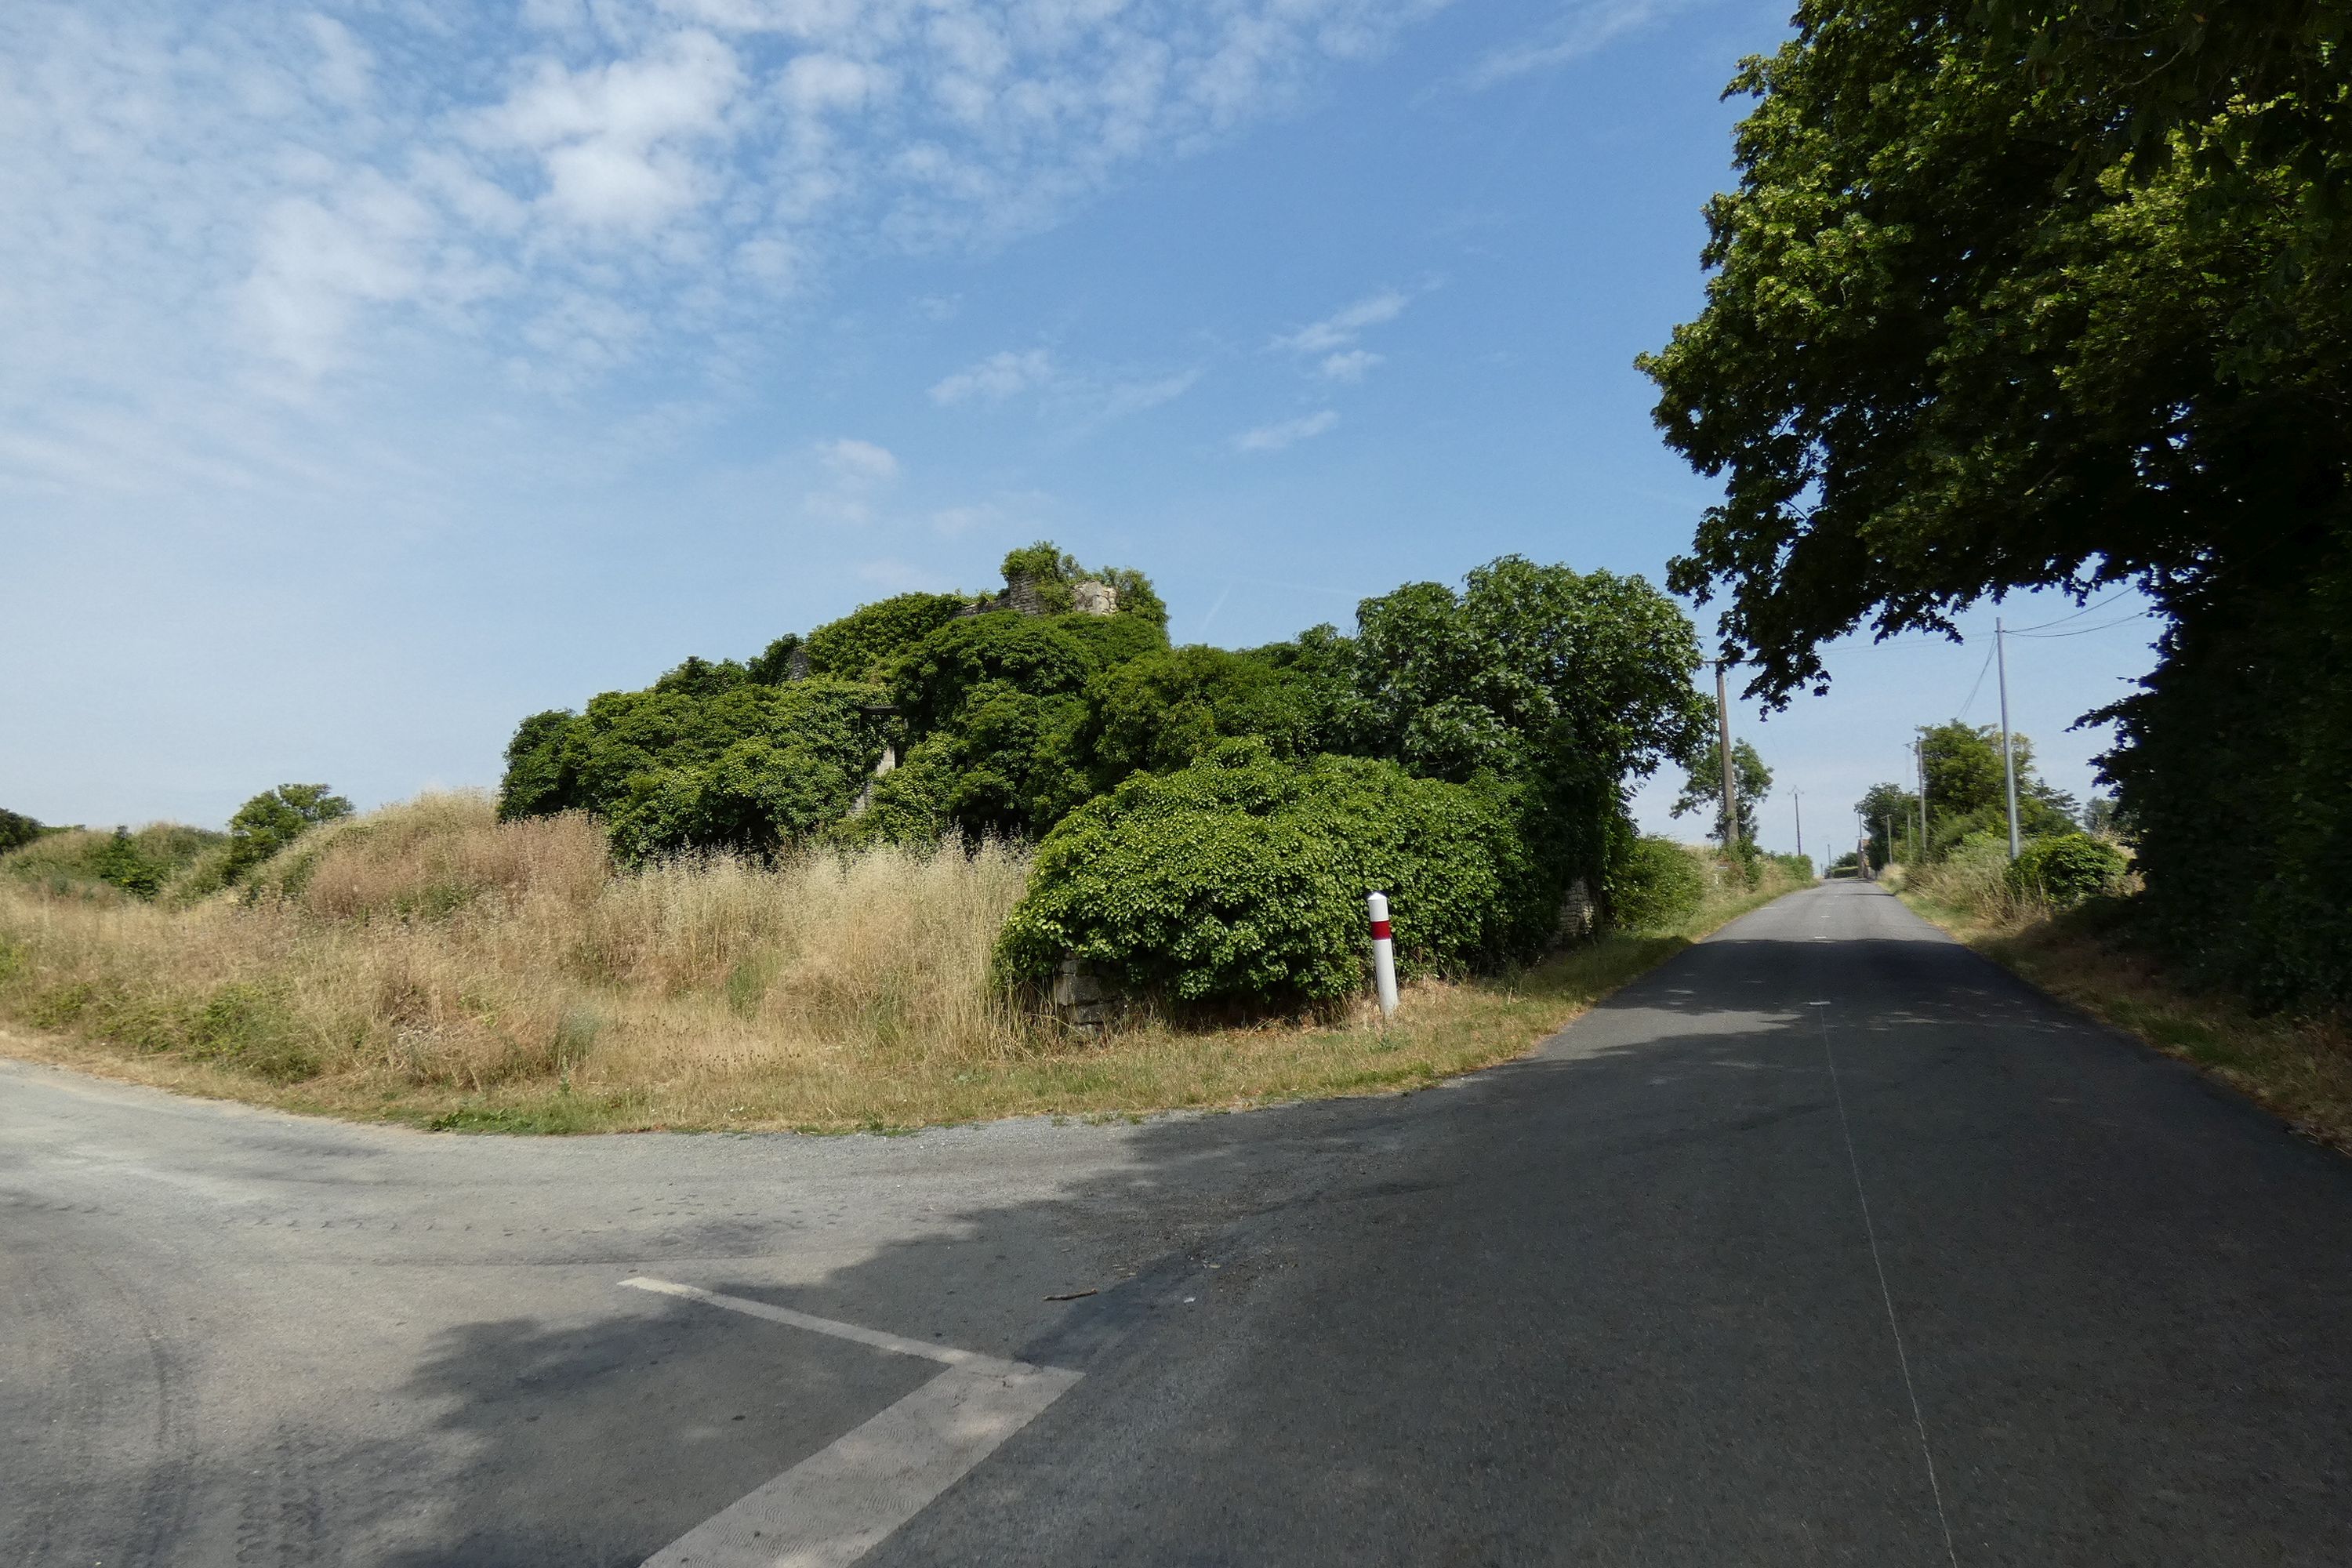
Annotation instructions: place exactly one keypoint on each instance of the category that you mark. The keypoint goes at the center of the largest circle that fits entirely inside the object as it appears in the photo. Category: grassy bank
(2301, 1069)
(429, 964)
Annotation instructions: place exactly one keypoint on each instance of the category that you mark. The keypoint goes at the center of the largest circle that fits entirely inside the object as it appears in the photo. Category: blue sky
(380, 373)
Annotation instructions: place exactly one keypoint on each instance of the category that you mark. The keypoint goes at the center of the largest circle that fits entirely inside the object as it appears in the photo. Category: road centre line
(839, 1503)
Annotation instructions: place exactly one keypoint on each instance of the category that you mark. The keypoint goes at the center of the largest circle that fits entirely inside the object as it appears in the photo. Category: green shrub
(744, 766)
(18, 829)
(246, 1027)
(754, 798)
(1242, 879)
(1653, 885)
(1028, 653)
(275, 818)
(163, 858)
(1159, 711)
(2067, 868)
(117, 862)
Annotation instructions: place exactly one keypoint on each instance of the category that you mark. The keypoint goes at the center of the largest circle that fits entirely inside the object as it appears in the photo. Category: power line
(2086, 631)
(1980, 684)
(2088, 607)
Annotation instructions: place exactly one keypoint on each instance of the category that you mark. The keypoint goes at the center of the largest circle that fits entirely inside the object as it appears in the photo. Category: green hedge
(1242, 879)
(2067, 868)
(1653, 885)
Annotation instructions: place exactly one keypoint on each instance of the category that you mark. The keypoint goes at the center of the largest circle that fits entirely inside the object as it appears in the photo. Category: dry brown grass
(2300, 1067)
(428, 963)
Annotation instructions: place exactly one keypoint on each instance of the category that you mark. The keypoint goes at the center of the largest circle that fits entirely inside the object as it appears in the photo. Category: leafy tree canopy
(17, 828)
(1703, 787)
(2054, 293)
(1963, 336)
(1527, 669)
(275, 818)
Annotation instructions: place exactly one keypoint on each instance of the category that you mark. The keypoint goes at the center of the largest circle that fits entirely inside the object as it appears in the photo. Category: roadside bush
(1242, 879)
(1974, 877)
(274, 819)
(1653, 885)
(2067, 868)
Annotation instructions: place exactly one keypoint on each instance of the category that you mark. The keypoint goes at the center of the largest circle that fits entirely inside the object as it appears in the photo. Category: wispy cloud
(1287, 433)
(852, 478)
(1076, 401)
(1351, 365)
(1342, 326)
(995, 378)
(1582, 28)
(1122, 398)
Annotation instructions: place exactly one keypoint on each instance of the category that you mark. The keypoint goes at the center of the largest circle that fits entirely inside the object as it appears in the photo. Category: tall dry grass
(431, 947)
(430, 963)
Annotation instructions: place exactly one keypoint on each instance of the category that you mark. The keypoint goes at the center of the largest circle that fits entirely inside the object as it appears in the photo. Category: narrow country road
(1827, 1242)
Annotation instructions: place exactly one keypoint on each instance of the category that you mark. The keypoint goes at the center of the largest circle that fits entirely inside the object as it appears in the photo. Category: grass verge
(431, 967)
(2299, 1069)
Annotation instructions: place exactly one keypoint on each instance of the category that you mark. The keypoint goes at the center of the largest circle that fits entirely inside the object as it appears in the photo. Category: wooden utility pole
(1798, 797)
(1730, 779)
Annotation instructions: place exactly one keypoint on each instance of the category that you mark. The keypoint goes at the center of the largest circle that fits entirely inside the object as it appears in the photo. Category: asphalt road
(1825, 1243)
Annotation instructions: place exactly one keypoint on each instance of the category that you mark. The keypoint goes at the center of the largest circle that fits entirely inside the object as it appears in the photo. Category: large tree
(2054, 294)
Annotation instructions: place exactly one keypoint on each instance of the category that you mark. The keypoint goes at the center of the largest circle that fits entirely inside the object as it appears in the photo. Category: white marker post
(1384, 955)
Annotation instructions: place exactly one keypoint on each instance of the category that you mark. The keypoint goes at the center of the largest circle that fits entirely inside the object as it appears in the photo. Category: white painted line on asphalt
(840, 1502)
(897, 1343)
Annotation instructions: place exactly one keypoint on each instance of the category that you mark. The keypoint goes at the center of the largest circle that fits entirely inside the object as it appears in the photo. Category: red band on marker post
(1381, 930)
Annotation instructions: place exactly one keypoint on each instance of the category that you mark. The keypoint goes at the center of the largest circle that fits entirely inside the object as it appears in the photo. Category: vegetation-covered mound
(161, 859)
(1469, 747)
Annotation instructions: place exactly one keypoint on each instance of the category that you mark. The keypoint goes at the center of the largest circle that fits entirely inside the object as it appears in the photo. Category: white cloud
(1287, 433)
(859, 462)
(275, 208)
(617, 141)
(1126, 397)
(854, 476)
(995, 378)
(1351, 365)
(1342, 326)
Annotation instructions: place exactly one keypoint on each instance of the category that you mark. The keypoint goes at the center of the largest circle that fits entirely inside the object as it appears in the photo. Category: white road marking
(898, 1344)
(839, 1503)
